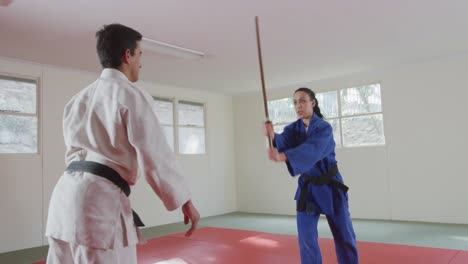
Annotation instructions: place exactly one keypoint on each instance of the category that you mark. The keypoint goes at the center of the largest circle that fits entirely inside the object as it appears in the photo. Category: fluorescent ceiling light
(169, 49)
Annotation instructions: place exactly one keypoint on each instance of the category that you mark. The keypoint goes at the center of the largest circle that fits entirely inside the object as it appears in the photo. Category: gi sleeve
(283, 141)
(155, 158)
(303, 157)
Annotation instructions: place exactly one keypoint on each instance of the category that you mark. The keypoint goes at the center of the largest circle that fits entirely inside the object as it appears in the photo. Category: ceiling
(302, 40)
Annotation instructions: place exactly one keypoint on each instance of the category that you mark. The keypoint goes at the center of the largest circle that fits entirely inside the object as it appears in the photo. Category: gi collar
(114, 74)
(312, 121)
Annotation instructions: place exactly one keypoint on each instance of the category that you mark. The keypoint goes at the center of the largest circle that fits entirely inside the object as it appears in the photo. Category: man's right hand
(190, 215)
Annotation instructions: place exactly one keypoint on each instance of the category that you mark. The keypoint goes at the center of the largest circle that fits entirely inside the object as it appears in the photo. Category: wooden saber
(265, 102)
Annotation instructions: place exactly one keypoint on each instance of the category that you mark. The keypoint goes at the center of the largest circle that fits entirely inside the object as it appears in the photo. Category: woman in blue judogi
(308, 148)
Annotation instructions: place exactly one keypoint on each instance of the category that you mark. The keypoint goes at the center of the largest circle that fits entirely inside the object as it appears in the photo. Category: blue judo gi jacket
(312, 152)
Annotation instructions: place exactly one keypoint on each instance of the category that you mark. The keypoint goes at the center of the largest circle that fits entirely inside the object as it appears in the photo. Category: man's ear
(126, 56)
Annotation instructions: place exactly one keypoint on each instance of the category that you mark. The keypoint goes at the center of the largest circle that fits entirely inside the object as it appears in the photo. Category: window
(328, 103)
(354, 113)
(18, 115)
(362, 118)
(281, 113)
(190, 132)
(164, 109)
(191, 122)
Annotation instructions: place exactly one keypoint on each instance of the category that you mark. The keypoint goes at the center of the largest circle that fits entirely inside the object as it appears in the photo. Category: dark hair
(112, 42)
(312, 97)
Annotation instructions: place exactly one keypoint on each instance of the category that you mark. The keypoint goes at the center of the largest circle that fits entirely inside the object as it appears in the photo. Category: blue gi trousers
(343, 233)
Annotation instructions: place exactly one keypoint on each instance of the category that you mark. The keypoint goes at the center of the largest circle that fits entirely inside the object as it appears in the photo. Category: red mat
(228, 246)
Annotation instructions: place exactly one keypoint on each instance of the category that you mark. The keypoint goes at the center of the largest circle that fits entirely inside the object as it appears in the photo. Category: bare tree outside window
(354, 113)
(164, 109)
(191, 118)
(18, 115)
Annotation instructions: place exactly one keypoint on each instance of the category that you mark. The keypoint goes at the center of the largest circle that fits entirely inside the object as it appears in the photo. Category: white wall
(211, 176)
(21, 186)
(418, 176)
(28, 180)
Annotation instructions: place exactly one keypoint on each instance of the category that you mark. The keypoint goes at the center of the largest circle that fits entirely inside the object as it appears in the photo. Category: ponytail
(317, 109)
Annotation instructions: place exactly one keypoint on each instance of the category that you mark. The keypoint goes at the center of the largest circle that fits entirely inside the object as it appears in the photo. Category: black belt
(105, 172)
(326, 178)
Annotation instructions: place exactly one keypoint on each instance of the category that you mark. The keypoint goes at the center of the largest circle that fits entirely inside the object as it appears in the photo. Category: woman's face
(303, 105)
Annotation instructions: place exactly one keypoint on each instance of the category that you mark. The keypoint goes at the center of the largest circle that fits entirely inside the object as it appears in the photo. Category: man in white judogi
(111, 123)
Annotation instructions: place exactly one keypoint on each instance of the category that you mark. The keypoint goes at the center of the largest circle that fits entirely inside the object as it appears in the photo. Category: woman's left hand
(274, 155)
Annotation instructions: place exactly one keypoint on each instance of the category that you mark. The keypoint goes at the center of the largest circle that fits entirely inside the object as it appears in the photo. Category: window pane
(191, 140)
(363, 130)
(18, 134)
(328, 103)
(282, 111)
(191, 114)
(335, 123)
(169, 133)
(164, 111)
(361, 100)
(17, 96)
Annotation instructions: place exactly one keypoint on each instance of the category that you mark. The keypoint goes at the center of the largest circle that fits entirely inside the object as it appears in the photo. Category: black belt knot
(326, 178)
(107, 173)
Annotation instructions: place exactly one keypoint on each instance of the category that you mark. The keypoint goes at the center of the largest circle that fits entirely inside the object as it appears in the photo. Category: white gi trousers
(90, 221)
(62, 252)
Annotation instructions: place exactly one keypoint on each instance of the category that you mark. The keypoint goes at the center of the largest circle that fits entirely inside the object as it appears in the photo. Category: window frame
(171, 100)
(38, 115)
(203, 105)
(175, 116)
(340, 116)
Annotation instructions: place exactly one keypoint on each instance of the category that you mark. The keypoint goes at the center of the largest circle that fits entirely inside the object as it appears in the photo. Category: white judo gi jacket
(111, 122)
